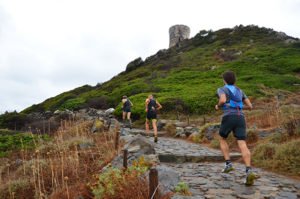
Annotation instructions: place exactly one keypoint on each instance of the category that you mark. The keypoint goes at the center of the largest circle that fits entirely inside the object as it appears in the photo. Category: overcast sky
(51, 46)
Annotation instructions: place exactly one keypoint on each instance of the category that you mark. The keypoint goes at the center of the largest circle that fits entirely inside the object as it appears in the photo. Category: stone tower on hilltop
(178, 33)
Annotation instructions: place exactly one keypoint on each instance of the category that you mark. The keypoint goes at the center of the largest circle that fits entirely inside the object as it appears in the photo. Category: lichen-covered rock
(179, 132)
(98, 126)
(190, 130)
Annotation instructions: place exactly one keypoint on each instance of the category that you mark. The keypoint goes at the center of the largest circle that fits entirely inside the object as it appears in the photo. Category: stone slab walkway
(181, 151)
(200, 168)
(206, 181)
(135, 131)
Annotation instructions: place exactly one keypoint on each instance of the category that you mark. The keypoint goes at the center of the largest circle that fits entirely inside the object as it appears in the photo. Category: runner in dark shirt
(126, 107)
(152, 106)
(231, 100)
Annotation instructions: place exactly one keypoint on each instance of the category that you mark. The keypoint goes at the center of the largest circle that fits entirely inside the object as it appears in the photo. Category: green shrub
(182, 188)
(107, 183)
(73, 104)
(113, 181)
(9, 143)
(13, 120)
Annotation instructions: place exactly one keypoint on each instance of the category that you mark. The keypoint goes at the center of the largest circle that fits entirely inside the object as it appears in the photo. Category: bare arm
(248, 103)
(146, 104)
(222, 101)
(159, 106)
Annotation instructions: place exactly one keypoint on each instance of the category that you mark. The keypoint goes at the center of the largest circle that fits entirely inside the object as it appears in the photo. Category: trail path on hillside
(200, 167)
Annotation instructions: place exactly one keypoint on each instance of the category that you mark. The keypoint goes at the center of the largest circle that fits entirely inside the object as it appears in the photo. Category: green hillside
(187, 76)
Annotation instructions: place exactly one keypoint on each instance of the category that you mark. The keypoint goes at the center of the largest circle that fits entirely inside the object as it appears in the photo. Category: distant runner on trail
(152, 106)
(126, 107)
(231, 99)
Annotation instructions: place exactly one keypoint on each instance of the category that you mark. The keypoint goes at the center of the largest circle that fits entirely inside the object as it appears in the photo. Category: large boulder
(210, 129)
(140, 146)
(137, 147)
(161, 124)
(113, 125)
(168, 178)
(109, 111)
(181, 124)
(190, 130)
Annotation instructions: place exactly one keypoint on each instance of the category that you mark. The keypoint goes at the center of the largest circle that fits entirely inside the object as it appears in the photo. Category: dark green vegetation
(11, 141)
(186, 77)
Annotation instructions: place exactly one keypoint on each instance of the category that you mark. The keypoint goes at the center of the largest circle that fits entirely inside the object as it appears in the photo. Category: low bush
(284, 157)
(183, 189)
(171, 129)
(9, 143)
(20, 188)
(117, 184)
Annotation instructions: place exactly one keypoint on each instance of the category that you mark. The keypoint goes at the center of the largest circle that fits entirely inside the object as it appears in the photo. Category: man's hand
(248, 103)
(217, 107)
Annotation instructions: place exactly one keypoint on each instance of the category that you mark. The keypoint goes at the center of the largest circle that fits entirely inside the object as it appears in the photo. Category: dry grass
(69, 166)
(60, 168)
(284, 157)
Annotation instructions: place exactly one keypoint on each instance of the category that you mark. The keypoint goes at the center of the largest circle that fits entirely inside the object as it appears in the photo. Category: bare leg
(154, 127)
(147, 126)
(245, 152)
(124, 115)
(128, 115)
(224, 148)
(129, 120)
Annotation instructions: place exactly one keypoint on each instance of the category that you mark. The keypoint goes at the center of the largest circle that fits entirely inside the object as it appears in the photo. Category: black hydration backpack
(152, 105)
(127, 103)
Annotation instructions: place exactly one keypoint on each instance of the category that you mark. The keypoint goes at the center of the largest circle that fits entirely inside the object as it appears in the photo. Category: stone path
(206, 181)
(181, 151)
(200, 168)
(135, 131)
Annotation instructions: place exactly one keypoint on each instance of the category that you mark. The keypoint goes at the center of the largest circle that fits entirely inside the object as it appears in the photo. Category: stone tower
(178, 33)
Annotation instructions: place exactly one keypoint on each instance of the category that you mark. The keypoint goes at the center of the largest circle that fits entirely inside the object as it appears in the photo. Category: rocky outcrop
(48, 122)
(134, 64)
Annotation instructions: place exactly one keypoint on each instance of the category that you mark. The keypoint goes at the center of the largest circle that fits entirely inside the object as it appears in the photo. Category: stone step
(176, 158)
(172, 150)
(135, 131)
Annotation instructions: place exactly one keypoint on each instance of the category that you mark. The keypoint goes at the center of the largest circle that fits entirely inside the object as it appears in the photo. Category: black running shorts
(127, 109)
(151, 115)
(234, 123)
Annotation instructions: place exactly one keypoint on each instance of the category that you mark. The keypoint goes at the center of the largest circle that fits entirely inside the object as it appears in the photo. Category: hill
(186, 76)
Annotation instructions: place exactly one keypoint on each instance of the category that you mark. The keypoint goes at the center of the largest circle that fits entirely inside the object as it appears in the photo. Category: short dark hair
(229, 77)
